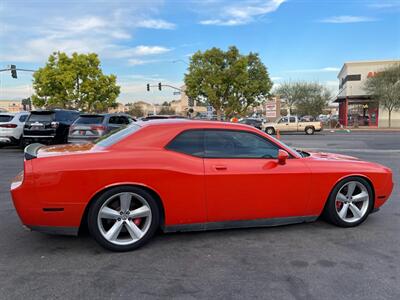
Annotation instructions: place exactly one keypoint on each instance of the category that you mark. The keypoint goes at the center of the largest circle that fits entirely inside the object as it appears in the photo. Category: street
(305, 261)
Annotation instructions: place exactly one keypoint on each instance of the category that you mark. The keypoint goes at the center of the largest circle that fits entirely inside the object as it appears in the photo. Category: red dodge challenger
(184, 175)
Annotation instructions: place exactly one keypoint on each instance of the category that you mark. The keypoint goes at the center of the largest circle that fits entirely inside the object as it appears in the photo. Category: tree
(228, 81)
(136, 110)
(166, 110)
(385, 87)
(309, 98)
(75, 82)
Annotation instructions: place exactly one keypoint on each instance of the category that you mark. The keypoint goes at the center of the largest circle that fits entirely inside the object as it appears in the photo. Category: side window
(292, 120)
(190, 142)
(114, 120)
(283, 120)
(237, 144)
(23, 118)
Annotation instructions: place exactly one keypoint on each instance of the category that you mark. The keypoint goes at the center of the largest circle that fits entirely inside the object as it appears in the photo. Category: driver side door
(243, 180)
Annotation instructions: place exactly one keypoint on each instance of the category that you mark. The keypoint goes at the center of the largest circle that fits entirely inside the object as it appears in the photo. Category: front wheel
(349, 203)
(123, 218)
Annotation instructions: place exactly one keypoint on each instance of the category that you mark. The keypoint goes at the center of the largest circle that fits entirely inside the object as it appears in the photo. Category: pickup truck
(291, 124)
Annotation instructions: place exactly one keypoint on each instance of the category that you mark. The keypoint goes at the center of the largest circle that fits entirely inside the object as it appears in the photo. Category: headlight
(17, 180)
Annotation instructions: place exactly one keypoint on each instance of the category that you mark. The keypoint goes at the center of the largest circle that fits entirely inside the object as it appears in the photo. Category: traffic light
(148, 87)
(159, 86)
(13, 71)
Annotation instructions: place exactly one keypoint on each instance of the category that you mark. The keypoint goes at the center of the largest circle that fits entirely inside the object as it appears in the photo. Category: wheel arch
(362, 176)
(144, 187)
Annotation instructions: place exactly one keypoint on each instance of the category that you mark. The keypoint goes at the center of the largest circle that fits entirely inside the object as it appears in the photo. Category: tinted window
(189, 142)
(5, 118)
(237, 144)
(117, 135)
(23, 118)
(90, 120)
(47, 117)
(118, 120)
(292, 120)
(66, 116)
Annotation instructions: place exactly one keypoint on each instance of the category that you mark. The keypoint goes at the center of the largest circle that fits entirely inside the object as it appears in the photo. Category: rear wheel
(270, 130)
(310, 130)
(123, 218)
(349, 203)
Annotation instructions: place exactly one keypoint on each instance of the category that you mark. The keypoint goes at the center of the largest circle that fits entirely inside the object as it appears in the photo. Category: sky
(151, 41)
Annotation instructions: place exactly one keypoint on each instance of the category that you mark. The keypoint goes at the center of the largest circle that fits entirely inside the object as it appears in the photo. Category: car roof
(6, 113)
(194, 123)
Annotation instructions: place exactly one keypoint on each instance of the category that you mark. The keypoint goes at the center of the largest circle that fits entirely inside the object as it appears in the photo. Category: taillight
(17, 180)
(54, 124)
(98, 127)
(8, 125)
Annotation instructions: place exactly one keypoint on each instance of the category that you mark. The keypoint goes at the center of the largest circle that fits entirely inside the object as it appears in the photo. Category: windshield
(116, 135)
(48, 117)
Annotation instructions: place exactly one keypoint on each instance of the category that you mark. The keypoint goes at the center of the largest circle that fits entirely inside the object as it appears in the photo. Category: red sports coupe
(183, 175)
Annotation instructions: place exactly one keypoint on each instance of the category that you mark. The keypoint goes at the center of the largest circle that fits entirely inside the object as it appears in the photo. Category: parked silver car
(89, 127)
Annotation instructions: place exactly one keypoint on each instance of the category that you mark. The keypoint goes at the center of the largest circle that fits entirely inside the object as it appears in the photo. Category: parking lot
(306, 261)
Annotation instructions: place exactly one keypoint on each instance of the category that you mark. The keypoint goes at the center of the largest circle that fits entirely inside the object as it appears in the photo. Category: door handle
(220, 167)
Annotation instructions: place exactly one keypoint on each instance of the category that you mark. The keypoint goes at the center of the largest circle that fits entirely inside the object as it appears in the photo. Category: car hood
(58, 150)
(331, 156)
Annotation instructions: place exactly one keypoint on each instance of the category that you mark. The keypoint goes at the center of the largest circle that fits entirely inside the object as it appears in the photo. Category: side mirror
(282, 157)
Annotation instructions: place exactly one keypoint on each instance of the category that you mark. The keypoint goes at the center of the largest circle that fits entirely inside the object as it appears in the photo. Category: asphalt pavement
(306, 261)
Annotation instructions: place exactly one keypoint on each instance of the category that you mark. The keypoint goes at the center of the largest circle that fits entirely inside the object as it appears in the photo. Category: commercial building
(11, 105)
(356, 107)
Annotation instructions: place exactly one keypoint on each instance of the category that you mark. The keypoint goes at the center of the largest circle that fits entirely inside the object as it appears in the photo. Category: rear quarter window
(189, 142)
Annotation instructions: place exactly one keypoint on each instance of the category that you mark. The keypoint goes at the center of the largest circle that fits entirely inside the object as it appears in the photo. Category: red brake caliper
(137, 221)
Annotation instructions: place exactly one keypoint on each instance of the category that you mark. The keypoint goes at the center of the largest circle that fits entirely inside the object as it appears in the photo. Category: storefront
(356, 107)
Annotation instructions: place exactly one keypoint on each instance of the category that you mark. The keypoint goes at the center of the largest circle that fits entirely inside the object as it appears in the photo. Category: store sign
(270, 109)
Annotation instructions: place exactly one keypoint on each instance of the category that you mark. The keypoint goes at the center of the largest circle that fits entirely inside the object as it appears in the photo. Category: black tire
(270, 130)
(309, 130)
(98, 203)
(330, 213)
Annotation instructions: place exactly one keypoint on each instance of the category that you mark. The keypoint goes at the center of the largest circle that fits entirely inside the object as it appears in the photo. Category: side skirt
(55, 230)
(239, 224)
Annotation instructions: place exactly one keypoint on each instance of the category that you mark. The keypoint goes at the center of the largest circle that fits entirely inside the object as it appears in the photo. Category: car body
(89, 127)
(11, 127)
(291, 124)
(48, 126)
(255, 122)
(191, 175)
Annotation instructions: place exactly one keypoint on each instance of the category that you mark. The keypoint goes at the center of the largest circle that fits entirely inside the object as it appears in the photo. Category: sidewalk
(393, 129)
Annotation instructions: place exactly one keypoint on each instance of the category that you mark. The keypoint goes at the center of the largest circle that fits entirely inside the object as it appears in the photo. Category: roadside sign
(270, 109)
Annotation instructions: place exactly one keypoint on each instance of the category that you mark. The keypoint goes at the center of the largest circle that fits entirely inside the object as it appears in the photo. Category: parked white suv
(11, 127)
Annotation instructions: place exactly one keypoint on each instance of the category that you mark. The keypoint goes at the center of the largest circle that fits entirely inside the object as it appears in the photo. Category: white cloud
(347, 19)
(241, 13)
(321, 70)
(138, 62)
(156, 24)
(149, 50)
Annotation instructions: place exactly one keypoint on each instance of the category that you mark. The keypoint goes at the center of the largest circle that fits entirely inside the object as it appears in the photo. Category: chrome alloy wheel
(124, 218)
(352, 201)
